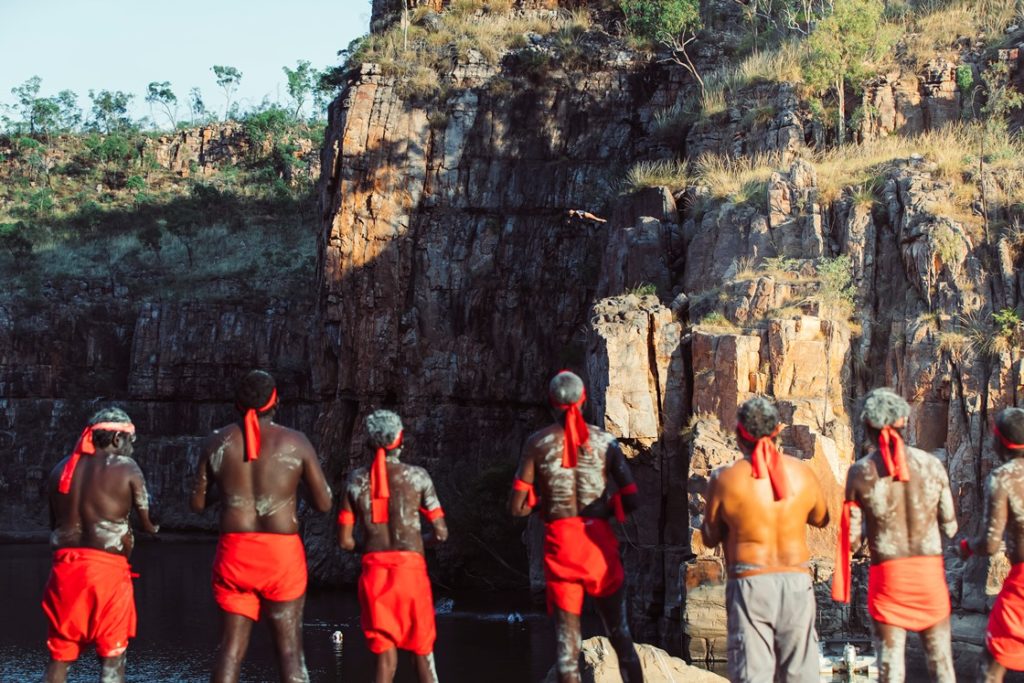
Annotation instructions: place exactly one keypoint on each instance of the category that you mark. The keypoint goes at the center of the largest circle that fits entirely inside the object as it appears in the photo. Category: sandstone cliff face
(453, 285)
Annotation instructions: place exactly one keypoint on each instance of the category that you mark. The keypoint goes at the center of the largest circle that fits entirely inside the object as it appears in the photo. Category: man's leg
(796, 641)
(286, 628)
(57, 672)
(387, 664)
(567, 631)
(612, 609)
(233, 644)
(751, 606)
(113, 668)
(989, 670)
(938, 651)
(892, 642)
(425, 669)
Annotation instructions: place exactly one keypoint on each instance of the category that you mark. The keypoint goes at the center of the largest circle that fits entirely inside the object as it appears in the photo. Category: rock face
(601, 665)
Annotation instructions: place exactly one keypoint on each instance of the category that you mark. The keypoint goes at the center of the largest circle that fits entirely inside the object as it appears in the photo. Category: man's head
(883, 408)
(102, 438)
(565, 389)
(759, 417)
(1010, 424)
(254, 391)
(382, 429)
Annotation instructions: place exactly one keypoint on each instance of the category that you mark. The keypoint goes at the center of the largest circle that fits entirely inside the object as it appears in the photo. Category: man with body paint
(759, 508)
(1004, 512)
(260, 564)
(566, 468)
(89, 596)
(902, 495)
(388, 497)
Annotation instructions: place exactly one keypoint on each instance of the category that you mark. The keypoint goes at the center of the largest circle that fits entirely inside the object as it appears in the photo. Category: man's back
(1007, 484)
(260, 495)
(95, 511)
(410, 490)
(762, 531)
(580, 490)
(904, 519)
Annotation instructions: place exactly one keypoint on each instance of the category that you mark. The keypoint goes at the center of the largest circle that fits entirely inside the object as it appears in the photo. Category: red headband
(251, 427)
(85, 446)
(379, 489)
(766, 460)
(894, 455)
(1009, 445)
(576, 431)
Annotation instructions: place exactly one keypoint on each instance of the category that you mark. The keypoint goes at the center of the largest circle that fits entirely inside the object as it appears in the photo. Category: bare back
(260, 495)
(95, 512)
(904, 519)
(411, 489)
(573, 491)
(1004, 510)
(757, 530)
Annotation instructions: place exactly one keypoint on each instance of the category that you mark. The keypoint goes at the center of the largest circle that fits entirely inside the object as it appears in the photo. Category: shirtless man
(89, 596)
(388, 498)
(759, 507)
(1004, 511)
(571, 464)
(260, 562)
(903, 495)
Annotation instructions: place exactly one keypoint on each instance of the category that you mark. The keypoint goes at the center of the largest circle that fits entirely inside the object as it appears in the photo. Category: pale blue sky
(121, 45)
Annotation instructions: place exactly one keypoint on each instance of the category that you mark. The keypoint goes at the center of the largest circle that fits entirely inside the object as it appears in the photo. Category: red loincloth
(581, 554)
(1005, 635)
(397, 603)
(89, 599)
(250, 566)
(909, 592)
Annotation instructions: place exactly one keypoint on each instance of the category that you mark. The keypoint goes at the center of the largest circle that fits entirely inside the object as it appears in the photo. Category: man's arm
(818, 516)
(346, 523)
(431, 508)
(200, 486)
(140, 500)
(997, 509)
(313, 475)
(947, 510)
(619, 470)
(856, 517)
(713, 529)
(518, 500)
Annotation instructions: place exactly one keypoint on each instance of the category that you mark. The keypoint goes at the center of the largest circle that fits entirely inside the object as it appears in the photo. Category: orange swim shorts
(249, 567)
(581, 555)
(1005, 636)
(89, 599)
(397, 603)
(909, 592)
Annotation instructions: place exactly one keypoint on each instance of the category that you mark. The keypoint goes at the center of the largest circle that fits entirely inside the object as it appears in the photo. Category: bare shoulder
(219, 437)
(1009, 473)
(540, 437)
(418, 475)
(800, 466)
(601, 439)
(927, 462)
(357, 478)
(737, 468)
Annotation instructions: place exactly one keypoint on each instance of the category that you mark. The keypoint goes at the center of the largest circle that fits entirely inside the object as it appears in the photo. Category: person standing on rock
(759, 508)
(388, 497)
(566, 469)
(903, 496)
(260, 565)
(1004, 511)
(89, 596)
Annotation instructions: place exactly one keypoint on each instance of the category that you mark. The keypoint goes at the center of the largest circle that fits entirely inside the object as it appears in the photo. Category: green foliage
(1001, 95)
(1007, 321)
(836, 291)
(643, 289)
(228, 78)
(13, 239)
(656, 20)
(135, 183)
(262, 125)
(965, 78)
(110, 111)
(160, 94)
(112, 148)
(301, 81)
(43, 115)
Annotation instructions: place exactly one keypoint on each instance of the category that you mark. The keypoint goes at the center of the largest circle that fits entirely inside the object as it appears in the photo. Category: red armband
(431, 515)
(616, 501)
(965, 548)
(531, 497)
(346, 518)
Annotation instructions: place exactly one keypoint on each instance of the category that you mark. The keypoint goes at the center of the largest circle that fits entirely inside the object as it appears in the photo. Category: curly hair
(883, 407)
(759, 416)
(382, 428)
(254, 390)
(102, 437)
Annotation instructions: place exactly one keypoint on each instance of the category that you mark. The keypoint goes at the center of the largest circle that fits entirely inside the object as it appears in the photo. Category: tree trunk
(841, 124)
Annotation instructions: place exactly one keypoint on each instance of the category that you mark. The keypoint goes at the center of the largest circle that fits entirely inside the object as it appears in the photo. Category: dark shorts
(771, 629)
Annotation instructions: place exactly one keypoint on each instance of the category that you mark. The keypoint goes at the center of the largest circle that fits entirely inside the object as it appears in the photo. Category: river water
(179, 627)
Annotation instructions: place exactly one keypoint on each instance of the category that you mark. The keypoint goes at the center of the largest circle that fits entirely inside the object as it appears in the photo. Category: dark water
(179, 627)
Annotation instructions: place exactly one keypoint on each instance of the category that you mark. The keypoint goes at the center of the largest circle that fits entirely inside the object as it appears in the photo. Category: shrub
(1007, 321)
(656, 20)
(836, 291)
(109, 148)
(135, 183)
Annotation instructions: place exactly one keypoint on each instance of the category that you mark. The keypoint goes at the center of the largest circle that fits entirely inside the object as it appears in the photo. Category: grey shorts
(771, 629)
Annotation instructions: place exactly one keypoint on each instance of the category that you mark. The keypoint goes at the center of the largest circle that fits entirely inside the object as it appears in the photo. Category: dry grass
(769, 66)
(670, 174)
(936, 26)
(740, 180)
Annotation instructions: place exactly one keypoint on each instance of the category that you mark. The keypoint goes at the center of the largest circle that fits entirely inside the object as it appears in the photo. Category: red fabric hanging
(85, 446)
(841, 577)
(894, 455)
(251, 427)
(380, 492)
(766, 460)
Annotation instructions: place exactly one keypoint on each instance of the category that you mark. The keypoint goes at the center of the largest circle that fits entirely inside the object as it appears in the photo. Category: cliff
(744, 252)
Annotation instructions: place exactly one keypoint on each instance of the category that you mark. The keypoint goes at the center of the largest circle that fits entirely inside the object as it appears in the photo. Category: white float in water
(337, 637)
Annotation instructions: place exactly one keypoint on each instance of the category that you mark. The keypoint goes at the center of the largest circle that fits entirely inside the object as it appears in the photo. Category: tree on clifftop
(162, 95)
(301, 80)
(110, 110)
(672, 23)
(839, 48)
(228, 78)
